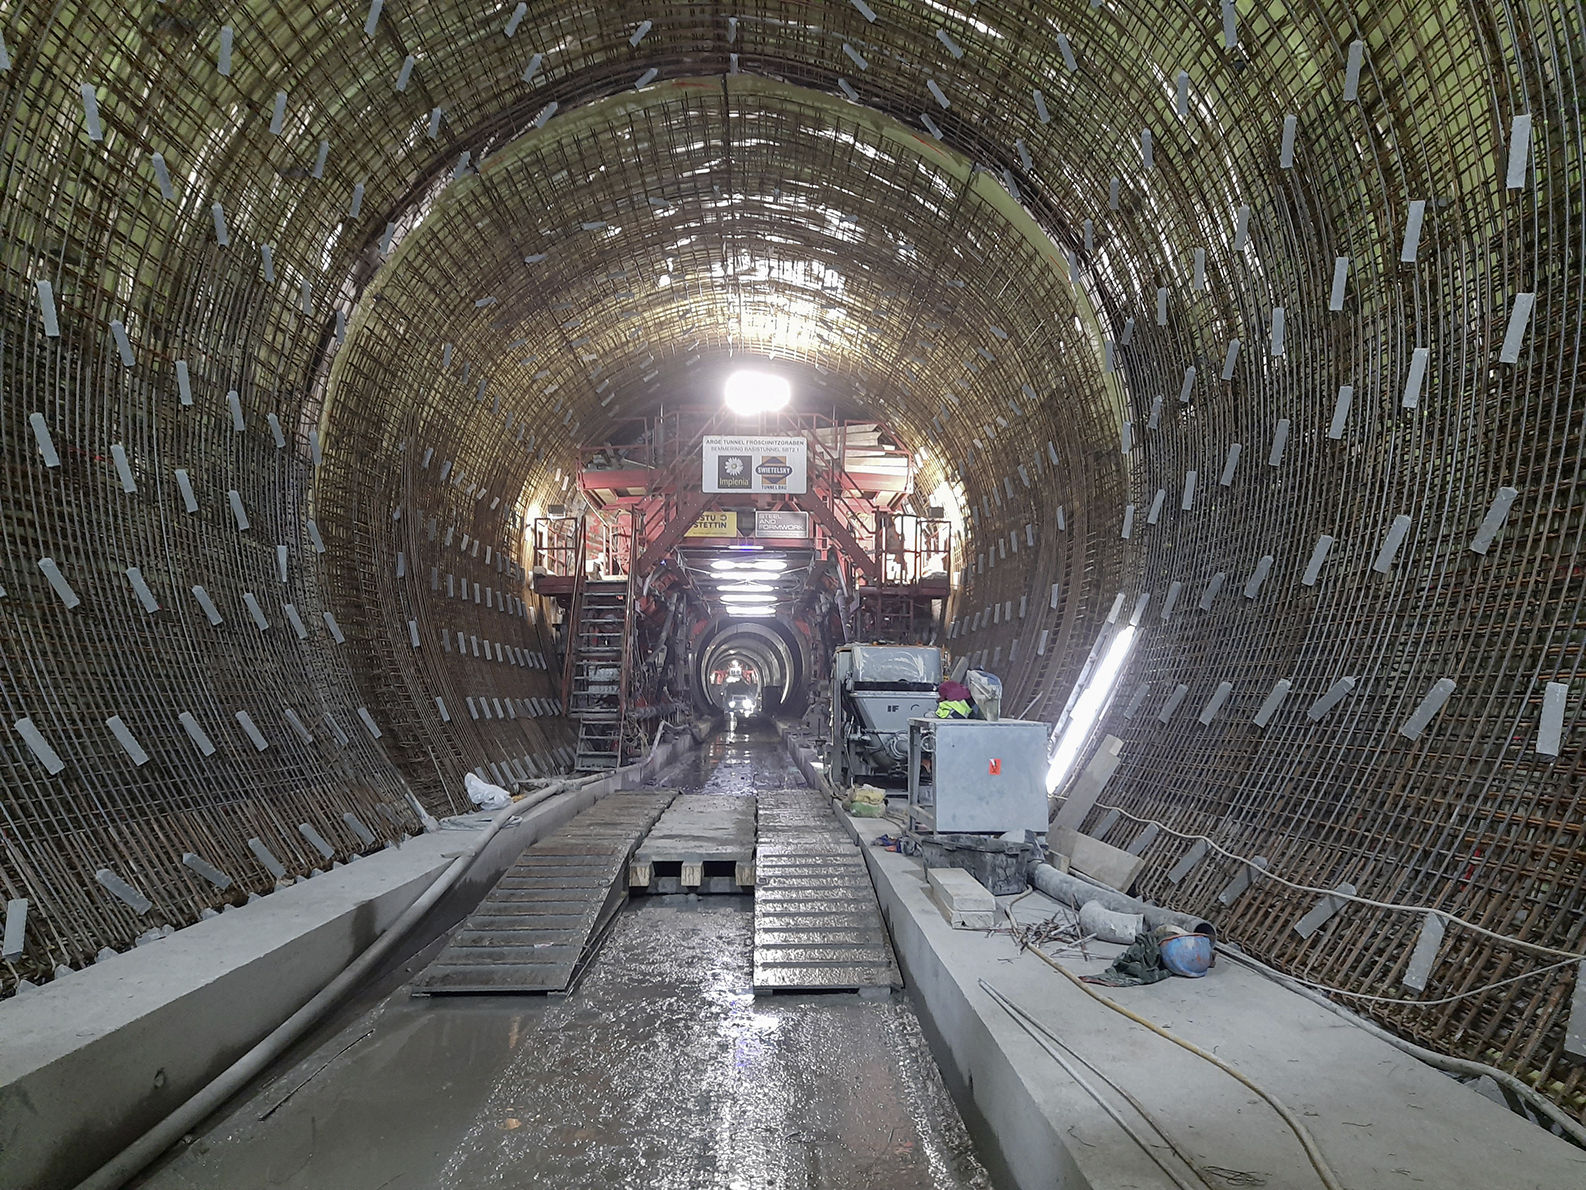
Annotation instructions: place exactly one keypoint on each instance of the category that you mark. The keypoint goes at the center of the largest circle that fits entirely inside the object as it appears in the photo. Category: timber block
(964, 901)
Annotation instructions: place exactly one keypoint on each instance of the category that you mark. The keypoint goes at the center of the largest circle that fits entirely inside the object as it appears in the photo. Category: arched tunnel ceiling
(1194, 179)
(611, 253)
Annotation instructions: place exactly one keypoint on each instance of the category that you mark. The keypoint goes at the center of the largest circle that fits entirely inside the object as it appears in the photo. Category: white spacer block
(1172, 702)
(1423, 714)
(1514, 337)
(127, 740)
(1213, 589)
(1346, 397)
(1258, 576)
(1313, 568)
(196, 733)
(1412, 231)
(57, 580)
(39, 746)
(1274, 700)
(123, 892)
(140, 588)
(1215, 703)
(1357, 56)
(1416, 377)
(1335, 300)
(46, 292)
(185, 484)
(96, 131)
(1519, 150)
(208, 605)
(1231, 359)
(41, 436)
(1390, 544)
(1550, 729)
(1335, 694)
(251, 729)
(1230, 465)
(1497, 514)
(1171, 601)
(118, 454)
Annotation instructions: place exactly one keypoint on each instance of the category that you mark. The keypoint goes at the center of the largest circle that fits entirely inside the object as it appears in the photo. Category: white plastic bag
(485, 795)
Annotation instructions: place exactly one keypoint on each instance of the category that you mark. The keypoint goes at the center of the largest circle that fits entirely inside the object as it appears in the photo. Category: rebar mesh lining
(1467, 818)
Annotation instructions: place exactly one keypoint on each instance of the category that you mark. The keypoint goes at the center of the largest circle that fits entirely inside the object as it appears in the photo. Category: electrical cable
(1573, 1130)
(1036, 1032)
(1266, 874)
(1296, 1125)
(1476, 991)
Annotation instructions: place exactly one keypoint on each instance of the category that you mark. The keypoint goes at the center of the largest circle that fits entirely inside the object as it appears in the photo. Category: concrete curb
(91, 1061)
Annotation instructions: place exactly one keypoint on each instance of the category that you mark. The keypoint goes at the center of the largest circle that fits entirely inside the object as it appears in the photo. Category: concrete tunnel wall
(1255, 327)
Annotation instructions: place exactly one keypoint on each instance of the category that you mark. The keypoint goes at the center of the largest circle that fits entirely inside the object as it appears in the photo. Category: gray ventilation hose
(132, 1160)
(1071, 890)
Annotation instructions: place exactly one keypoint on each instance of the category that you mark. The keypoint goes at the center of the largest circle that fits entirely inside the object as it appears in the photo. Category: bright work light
(749, 393)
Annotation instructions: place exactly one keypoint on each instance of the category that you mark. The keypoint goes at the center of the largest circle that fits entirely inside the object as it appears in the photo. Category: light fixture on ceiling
(750, 393)
(766, 564)
(743, 597)
(739, 609)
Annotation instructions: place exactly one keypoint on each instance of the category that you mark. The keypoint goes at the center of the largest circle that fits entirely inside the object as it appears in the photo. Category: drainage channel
(661, 1069)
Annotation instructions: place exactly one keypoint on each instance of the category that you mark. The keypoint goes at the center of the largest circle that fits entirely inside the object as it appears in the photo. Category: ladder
(597, 670)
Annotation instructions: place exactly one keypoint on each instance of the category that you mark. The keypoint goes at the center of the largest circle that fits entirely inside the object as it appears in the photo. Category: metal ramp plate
(817, 926)
(532, 931)
(704, 842)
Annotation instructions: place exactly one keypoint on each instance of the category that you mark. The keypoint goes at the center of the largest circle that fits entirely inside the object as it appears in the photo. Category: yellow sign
(715, 524)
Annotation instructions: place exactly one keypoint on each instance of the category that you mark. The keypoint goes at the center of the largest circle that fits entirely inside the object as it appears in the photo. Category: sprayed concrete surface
(661, 1070)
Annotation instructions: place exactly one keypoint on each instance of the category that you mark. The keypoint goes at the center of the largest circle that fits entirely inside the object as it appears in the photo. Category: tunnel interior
(1246, 336)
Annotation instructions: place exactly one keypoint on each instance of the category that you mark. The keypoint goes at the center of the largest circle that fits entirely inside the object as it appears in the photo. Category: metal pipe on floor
(1071, 890)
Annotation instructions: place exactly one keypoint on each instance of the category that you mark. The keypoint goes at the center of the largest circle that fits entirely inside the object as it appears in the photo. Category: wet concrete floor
(661, 1070)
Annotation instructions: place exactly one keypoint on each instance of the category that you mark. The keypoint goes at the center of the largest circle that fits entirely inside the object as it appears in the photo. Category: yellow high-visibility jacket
(955, 708)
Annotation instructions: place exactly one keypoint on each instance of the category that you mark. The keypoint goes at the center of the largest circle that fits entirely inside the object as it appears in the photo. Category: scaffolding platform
(703, 843)
(535, 929)
(817, 924)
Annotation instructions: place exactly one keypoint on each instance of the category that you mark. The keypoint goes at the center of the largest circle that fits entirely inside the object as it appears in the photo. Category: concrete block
(1112, 866)
(964, 901)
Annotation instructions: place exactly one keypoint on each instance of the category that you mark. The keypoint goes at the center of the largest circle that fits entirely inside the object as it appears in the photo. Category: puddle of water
(661, 1071)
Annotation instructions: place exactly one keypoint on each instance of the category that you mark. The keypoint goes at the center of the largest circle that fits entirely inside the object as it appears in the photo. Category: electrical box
(971, 776)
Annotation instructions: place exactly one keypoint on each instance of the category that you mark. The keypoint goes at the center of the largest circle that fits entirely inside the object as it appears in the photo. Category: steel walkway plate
(817, 925)
(531, 933)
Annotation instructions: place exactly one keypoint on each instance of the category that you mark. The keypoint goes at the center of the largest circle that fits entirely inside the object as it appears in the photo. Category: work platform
(533, 931)
(703, 843)
(817, 925)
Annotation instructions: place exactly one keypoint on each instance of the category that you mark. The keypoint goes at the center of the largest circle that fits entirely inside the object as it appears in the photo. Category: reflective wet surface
(660, 1070)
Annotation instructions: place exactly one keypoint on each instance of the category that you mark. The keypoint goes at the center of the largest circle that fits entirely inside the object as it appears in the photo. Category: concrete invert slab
(703, 843)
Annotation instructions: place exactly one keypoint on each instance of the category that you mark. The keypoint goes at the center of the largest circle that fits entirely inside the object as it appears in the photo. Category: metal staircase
(597, 670)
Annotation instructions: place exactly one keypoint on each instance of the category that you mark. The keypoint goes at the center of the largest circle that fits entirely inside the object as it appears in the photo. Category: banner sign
(750, 465)
(790, 525)
(714, 524)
